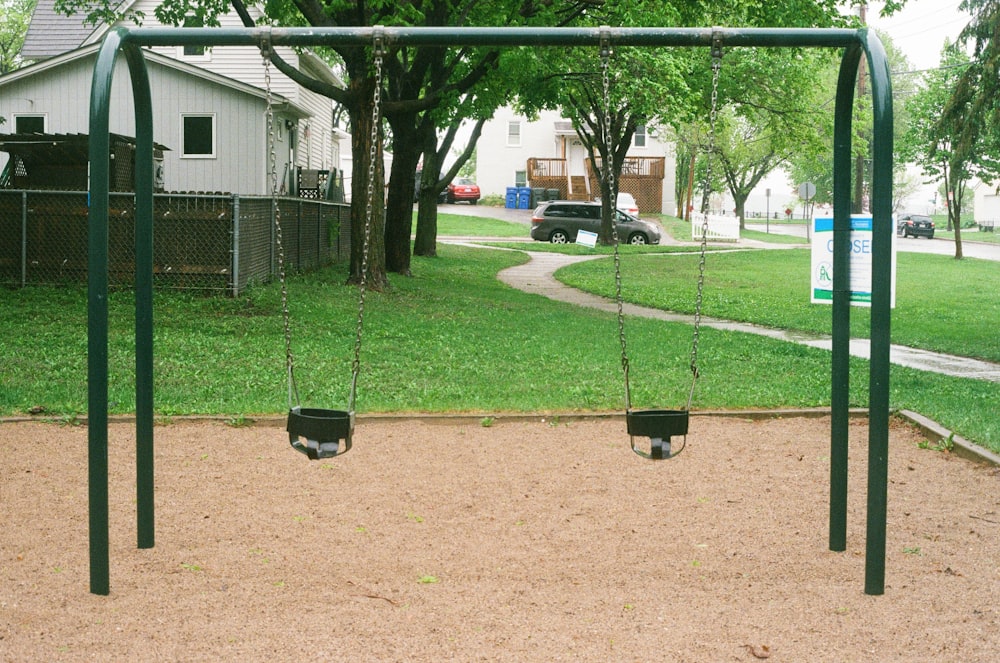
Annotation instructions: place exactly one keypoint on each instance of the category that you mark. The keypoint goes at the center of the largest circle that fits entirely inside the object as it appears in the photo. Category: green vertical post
(97, 314)
(881, 312)
(24, 239)
(145, 520)
(841, 310)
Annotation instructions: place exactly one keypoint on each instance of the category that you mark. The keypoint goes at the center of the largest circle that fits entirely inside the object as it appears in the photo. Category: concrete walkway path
(537, 276)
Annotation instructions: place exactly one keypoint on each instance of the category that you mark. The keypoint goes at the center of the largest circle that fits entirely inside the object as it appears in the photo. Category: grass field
(454, 339)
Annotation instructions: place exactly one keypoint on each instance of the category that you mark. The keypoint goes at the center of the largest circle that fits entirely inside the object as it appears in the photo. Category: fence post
(235, 266)
(298, 234)
(24, 239)
(272, 268)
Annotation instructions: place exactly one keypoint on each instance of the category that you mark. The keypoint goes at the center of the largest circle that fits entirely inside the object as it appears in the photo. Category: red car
(463, 189)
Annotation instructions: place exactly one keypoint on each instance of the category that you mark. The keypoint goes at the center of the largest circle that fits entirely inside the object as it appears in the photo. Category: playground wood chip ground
(519, 541)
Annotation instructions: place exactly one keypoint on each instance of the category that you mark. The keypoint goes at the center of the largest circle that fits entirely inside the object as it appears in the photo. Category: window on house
(639, 139)
(520, 178)
(194, 52)
(198, 136)
(514, 133)
(29, 124)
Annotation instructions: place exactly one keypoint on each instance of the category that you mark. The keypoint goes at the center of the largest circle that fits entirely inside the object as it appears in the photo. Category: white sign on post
(861, 262)
(586, 238)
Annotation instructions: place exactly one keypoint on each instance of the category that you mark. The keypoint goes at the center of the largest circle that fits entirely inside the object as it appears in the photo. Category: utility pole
(859, 162)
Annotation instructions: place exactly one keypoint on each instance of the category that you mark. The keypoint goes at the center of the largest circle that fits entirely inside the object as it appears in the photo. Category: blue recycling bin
(511, 201)
(523, 197)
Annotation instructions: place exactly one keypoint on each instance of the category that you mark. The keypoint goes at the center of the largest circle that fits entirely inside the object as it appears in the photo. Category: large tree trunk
(740, 201)
(362, 213)
(425, 243)
(956, 222)
(399, 205)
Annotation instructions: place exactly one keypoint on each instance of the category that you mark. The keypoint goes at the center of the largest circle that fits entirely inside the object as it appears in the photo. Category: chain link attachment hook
(378, 41)
(266, 48)
(605, 34)
(716, 49)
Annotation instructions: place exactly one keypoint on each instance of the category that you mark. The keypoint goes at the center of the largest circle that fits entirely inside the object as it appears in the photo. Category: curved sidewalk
(537, 276)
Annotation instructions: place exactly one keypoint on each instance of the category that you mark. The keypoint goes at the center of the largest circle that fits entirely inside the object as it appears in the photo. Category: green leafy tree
(816, 165)
(939, 146)
(772, 113)
(15, 15)
(417, 80)
(606, 119)
(971, 115)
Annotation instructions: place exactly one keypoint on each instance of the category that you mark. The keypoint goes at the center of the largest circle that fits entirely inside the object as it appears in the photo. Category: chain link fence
(211, 242)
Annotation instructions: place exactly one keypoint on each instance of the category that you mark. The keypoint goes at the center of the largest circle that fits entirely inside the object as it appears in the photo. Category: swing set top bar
(493, 36)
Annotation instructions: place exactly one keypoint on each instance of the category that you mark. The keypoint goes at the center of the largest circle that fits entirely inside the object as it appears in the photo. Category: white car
(626, 203)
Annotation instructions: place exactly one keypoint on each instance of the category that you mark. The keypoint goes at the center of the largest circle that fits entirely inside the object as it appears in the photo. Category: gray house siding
(316, 141)
(239, 113)
(317, 146)
(59, 89)
(238, 163)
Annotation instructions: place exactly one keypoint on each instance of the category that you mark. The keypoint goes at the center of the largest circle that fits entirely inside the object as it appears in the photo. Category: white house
(208, 104)
(514, 151)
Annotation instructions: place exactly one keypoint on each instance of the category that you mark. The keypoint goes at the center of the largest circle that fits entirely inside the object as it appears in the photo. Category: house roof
(51, 33)
(281, 103)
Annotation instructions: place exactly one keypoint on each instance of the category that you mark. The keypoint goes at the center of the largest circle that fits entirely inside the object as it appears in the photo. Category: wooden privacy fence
(222, 242)
(640, 176)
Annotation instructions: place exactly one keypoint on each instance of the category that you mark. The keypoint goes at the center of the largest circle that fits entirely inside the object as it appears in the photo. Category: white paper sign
(861, 261)
(586, 238)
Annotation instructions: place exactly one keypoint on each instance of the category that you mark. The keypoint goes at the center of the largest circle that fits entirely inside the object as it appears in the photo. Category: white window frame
(204, 56)
(644, 134)
(215, 136)
(520, 178)
(44, 116)
(514, 137)
(206, 52)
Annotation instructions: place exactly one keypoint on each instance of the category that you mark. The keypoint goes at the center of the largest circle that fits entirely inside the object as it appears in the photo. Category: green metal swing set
(309, 428)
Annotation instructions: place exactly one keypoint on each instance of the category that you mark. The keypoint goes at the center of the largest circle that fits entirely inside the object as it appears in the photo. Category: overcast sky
(919, 30)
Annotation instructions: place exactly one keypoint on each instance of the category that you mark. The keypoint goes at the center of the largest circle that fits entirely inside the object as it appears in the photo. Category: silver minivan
(558, 221)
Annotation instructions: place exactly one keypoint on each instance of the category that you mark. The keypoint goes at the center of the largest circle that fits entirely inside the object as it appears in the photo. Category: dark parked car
(917, 225)
(463, 189)
(558, 221)
(442, 195)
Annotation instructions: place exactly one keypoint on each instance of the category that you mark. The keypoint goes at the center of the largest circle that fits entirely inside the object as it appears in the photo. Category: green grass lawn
(938, 305)
(454, 339)
(474, 226)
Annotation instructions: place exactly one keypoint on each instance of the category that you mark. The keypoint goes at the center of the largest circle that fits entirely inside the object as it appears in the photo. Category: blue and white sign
(586, 238)
(861, 261)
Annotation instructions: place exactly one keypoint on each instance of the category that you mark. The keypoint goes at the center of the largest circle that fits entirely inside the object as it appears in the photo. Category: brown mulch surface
(523, 541)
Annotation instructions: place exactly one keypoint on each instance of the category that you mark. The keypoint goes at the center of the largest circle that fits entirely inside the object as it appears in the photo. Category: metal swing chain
(265, 51)
(716, 67)
(378, 48)
(609, 177)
